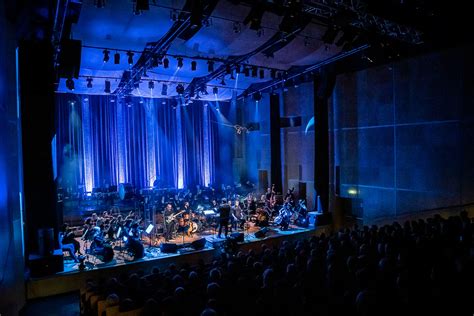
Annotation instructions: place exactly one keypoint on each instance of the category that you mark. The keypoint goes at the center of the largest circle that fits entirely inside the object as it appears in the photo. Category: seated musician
(68, 237)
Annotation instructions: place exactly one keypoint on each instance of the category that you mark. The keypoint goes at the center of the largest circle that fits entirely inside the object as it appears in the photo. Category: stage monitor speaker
(238, 237)
(41, 266)
(70, 58)
(168, 248)
(261, 233)
(199, 244)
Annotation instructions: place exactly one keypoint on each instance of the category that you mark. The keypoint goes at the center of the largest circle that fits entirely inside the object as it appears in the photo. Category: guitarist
(170, 224)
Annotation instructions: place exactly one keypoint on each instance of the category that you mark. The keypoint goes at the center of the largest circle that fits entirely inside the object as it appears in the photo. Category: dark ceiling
(248, 43)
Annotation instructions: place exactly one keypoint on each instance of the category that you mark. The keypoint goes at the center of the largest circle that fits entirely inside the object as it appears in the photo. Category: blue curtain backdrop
(100, 142)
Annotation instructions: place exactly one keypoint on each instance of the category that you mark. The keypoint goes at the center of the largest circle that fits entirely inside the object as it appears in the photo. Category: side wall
(403, 135)
(12, 291)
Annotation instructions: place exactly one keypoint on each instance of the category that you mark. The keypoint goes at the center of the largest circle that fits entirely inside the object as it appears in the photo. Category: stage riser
(65, 283)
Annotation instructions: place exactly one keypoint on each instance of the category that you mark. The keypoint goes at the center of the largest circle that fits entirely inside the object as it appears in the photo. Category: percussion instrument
(193, 227)
(125, 191)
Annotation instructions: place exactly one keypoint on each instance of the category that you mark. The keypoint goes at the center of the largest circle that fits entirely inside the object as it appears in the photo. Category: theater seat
(135, 312)
(112, 311)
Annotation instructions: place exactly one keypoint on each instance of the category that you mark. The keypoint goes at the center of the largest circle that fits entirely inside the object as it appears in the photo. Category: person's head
(269, 190)
(224, 201)
(237, 202)
(94, 216)
(169, 206)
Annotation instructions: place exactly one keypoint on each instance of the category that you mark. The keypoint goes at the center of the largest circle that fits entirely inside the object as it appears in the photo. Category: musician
(187, 209)
(224, 211)
(238, 216)
(68, 237)
(169, 224)
(289, 195)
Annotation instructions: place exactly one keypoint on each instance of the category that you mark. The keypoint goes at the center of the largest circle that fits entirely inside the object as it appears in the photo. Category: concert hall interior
(236, 157)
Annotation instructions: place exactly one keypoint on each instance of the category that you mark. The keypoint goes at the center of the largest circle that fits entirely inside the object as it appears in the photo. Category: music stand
(148, 231)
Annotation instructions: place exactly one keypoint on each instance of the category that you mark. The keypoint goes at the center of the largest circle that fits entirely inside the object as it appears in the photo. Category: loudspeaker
(337, 181)
(238, 237)
(45, 241)
(262, 180)
(302, 190)
(169, 248)
(261, 233)
(70, 58)
(199, 244)
(46, 265)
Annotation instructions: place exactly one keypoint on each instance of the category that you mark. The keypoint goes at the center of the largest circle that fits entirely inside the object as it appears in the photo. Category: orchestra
(185, 214)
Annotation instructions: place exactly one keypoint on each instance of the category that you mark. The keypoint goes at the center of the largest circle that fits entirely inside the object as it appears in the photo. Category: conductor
(224, 212)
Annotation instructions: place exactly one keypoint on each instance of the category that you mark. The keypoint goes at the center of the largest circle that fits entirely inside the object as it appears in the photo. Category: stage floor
(73, 279)
(153, 251)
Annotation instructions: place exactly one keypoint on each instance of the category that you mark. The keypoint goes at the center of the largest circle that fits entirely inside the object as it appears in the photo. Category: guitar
(170, 218)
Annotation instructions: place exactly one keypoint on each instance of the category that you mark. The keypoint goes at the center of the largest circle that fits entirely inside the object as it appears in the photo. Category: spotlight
(151, 85)
(136, 85)
(180, 89)
(262, 74)
(180, 62)
(193, 65)
(215, 90)
(237, 27)
(210, 66)
(164, 89)
(196, 14)
(246, 71)
(254, 71)
(106, 55)
(273, 73)
(89, 82)
(70, 84)
(257, 96)
(228, 70)
(223, 81)
(166, 62)
(237, 69)
(130, 58)
(116, 58)
(107, 86)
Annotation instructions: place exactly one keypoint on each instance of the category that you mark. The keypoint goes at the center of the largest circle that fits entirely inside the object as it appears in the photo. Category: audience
(422, 265)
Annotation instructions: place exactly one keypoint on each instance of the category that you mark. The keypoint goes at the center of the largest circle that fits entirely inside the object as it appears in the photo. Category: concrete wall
(12, 290)
(403, 134)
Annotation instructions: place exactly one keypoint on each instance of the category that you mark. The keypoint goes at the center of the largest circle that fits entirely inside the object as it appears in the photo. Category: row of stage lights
(247, 70)
(70, 85)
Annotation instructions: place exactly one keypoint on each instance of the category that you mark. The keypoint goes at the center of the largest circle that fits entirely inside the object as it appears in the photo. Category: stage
(72, 279)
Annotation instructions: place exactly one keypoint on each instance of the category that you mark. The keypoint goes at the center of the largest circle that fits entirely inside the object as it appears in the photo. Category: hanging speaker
(70, 58)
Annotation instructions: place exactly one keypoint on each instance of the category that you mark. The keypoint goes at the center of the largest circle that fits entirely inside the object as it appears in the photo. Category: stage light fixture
(106, 53)
(151, 85)
(237, 27)
(136, 85)
(223, 81)
(180, 89)
(193, 65)
(257, 96)
(228, 69)
(70, 84)
(273, 73)
(246, 71)
(215, 90)
(254, 71)
(130, 58)
(164, 89)
(237, 69)
(210, 66)
(107, 86)
(180, 62)
(166, 62)
(262, 73)
(116, 58)
(89, 82)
